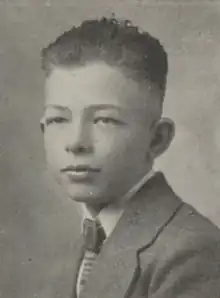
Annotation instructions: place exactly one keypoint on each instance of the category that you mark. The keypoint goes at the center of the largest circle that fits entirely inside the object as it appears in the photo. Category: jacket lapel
(116, 270)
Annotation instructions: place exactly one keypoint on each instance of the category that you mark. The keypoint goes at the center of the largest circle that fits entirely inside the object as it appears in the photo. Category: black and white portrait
(110, 149)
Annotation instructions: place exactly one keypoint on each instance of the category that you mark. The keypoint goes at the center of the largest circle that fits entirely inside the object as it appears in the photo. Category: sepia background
(38, 225)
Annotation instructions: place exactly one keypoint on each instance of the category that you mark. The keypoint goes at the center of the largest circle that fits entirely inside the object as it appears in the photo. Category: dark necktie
(94, 237)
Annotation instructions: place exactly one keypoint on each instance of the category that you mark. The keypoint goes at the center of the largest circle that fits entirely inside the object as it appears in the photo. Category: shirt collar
(110, 215)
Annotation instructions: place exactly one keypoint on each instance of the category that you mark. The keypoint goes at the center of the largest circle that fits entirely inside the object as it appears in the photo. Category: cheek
(124, 145)
(110, 142)
(54, 148)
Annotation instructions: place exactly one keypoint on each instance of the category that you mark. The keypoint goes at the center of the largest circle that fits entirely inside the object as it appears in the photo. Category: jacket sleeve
(186, 270)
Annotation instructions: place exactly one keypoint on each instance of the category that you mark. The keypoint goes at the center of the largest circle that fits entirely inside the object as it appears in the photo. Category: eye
(55, 120)
(107, 120)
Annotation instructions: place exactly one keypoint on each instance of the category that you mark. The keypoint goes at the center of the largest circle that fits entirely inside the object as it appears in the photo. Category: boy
(105, 85)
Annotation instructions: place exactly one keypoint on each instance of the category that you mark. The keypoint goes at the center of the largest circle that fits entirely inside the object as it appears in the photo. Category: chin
(85, 196)
(90, 201)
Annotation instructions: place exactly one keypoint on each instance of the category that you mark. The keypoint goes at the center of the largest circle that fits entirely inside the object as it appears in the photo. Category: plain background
(38, 224)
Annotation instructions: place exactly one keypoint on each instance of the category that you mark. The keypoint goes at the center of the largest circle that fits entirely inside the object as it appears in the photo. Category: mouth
(80, 172)
(80, 168)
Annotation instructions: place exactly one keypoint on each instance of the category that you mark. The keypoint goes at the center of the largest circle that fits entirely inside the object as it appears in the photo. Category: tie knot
(94, 235)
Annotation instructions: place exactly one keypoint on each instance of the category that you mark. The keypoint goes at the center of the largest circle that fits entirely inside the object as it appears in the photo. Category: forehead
(94, 84)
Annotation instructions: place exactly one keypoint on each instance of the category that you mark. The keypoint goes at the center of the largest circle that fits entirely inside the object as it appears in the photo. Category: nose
(79, 140)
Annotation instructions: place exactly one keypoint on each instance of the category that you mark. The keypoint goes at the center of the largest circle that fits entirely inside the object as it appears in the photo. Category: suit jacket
(160, 248)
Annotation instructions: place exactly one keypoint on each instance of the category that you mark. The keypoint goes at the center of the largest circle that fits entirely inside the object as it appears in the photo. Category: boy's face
(97, 131)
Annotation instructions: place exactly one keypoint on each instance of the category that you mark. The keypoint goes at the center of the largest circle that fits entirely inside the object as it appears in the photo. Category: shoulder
(187, 232)
(189, 226)
(186, 252)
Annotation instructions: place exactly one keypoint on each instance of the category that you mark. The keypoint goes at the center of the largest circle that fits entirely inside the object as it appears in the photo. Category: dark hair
(118, 43)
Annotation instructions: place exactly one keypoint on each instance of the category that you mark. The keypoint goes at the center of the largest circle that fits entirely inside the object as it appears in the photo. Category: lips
(80, 173)
(80, 168)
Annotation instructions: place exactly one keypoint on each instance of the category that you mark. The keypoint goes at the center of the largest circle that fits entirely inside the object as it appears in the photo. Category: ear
(163, 133)
(42, 124)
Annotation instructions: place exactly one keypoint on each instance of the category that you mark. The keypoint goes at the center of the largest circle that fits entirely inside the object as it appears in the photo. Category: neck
(95, 209)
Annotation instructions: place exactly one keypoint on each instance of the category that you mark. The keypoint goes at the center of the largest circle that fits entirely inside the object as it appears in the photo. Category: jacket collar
(146, 215)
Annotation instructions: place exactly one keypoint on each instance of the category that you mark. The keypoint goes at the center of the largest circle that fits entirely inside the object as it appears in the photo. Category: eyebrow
(57, 107)
(92, 107)
(105, 107)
